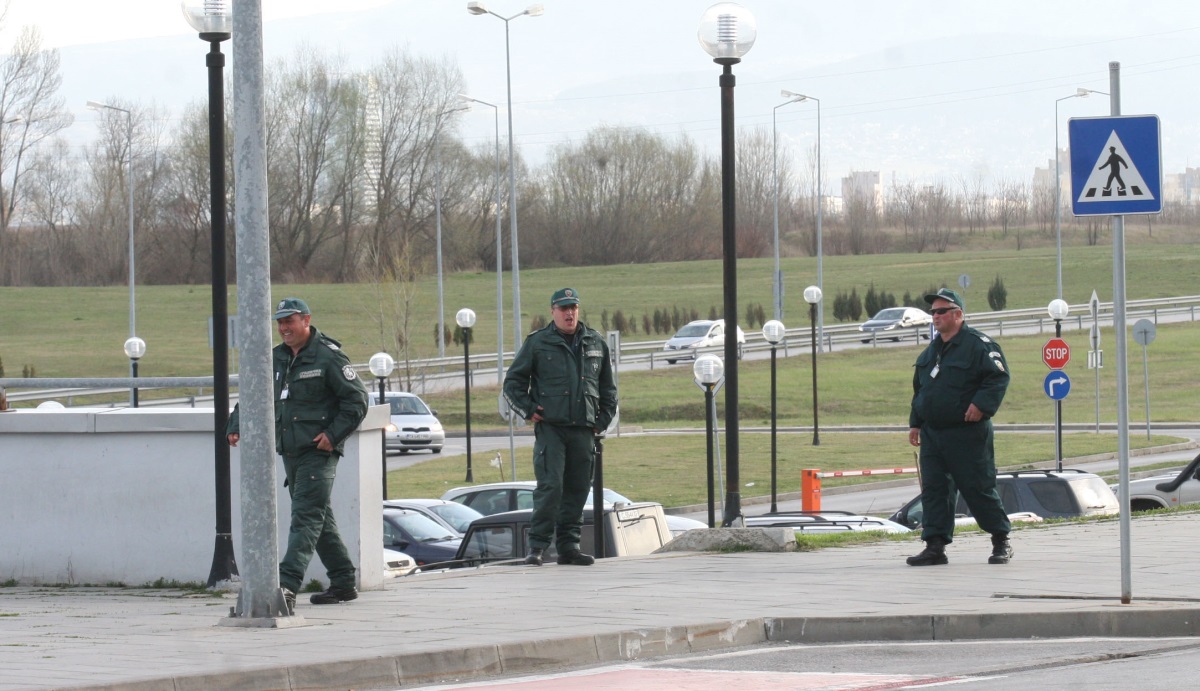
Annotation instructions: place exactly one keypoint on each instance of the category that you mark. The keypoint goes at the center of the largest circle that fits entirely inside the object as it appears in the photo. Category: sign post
(1056, 354)
(1144, 332)
(1095, 355)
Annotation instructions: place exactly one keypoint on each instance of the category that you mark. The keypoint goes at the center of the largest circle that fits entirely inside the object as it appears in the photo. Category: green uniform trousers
(310, 483)
(961, 457)
(562, 464)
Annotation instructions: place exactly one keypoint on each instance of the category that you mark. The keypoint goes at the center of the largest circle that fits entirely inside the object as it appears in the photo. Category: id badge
(932, 375)
(284, 393)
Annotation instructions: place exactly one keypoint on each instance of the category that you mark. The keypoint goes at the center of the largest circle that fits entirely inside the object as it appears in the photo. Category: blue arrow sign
(1116, 165)
(1057, 385)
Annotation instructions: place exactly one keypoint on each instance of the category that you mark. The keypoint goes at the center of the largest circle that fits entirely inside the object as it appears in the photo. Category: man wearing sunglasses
(959, 382)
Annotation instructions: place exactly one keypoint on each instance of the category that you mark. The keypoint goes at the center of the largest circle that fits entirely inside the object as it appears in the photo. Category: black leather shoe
(1001, 550)
(576, 558)
(289, 599)
(934, 554)
(535, 557)
(332, 596)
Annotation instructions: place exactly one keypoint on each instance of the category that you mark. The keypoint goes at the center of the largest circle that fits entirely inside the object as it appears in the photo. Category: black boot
(333, 596)
(934, 554)
(576, 558)
(535, 556)
(1001, 550)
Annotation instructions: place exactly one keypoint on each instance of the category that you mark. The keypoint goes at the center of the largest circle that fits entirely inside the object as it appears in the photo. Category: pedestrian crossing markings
(1114, 175)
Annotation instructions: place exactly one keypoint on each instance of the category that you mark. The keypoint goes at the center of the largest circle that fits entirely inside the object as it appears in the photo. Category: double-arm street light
(213, 19)
(97, 106)
(727, 32)
(1079, 93)
(532, 11)
(499, 248)
(777, 285)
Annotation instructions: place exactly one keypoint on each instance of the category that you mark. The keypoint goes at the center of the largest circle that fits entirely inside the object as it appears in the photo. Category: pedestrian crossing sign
(1116, 165)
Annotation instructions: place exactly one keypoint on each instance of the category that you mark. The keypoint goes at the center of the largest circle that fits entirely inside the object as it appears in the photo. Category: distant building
(863, 184)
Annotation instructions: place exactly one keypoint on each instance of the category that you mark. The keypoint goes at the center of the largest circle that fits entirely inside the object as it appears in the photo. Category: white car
(397, 564)
(1165, 491)
(890, 323)
(413, 426)
(702, 333)
(498, 497)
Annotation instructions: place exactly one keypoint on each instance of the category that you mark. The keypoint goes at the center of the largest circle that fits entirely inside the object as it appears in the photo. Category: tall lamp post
(466, 319)
(213, 19)
(1079, 93)
(532, 11)
(708, 371)
(97, 106)
(499, 253)
(381, 365)
(812, 295)
(727, 32)
(777, 286)
(774, 332)
(135, 348)
(820, 208)
(1058, 310)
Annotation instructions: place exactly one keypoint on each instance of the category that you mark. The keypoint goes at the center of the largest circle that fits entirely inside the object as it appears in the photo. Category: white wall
(96, 496)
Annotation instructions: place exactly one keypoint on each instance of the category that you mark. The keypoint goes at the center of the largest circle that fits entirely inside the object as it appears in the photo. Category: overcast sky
(928, 89)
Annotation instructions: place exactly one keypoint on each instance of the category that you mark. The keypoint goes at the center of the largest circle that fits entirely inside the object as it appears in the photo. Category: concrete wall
(95, 496)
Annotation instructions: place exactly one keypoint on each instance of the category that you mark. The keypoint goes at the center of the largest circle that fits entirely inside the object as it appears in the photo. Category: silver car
(414, 426)
(894, 321)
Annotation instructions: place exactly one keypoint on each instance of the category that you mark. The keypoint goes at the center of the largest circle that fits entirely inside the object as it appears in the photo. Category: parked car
(396, 564)
(824, 522)
(1163, 491)
(497, 497)
(630, 530)
(419, 537)
(892, 322)
(703, 333)
(414, 426)
(454, 516)
(1066, 493)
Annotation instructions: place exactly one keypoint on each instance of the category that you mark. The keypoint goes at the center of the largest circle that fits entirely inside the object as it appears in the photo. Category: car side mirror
(401, 545)
(433, 411)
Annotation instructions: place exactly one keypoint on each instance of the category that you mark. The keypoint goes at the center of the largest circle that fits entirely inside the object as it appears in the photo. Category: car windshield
(692, 331)
(890, 313)
(421, 528)
(457, 515)
(408, 405)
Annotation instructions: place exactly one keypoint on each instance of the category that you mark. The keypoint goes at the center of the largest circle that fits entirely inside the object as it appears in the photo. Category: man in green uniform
(958, 385)
(319, 401)
(562, 380)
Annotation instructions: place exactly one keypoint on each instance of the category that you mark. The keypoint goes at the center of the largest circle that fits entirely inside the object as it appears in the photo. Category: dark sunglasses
(942, 310)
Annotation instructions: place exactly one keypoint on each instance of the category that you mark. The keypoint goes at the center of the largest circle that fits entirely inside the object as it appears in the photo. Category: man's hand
(914, 436)
(973, 414)
(537, 414)
(234, 438)
(323, 442)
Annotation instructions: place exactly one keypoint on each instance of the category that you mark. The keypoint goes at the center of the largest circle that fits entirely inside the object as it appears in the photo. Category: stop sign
(1056, 353)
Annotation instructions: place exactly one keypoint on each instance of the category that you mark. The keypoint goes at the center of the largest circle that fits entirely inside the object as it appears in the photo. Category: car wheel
(671, 362)
(895, 339)
(866, 340)
(403, 451)
(741, 352)
(437, 450)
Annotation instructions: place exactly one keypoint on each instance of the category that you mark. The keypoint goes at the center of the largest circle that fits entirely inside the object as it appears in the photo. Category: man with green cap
(319, 401)
(959, 382)
(562, 380)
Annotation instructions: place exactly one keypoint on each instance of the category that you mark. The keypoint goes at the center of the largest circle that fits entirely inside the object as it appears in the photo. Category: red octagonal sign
(1056, 353)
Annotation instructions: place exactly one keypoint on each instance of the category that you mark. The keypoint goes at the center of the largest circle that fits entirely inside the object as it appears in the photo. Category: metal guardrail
(433, 374)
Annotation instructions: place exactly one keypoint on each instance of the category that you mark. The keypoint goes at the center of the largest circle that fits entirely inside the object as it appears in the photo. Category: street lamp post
(499, 251)
(708, 370)
(727, 32)
(774, 332)
(820, 210)
(466, 319)
(1079, 93)
(135, 348)
(532, 11)
(96, 105)
(213, 20)
(777, 286)
(381, 365)
(812, 295)
(1058, 310)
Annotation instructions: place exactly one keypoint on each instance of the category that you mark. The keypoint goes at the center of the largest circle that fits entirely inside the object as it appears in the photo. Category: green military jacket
(950, 376)
(572, 391)
(315, 391)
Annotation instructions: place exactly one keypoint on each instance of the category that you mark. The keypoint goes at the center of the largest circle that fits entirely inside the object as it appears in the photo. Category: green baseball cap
(945, 294)
(564, 297)
(289, 306)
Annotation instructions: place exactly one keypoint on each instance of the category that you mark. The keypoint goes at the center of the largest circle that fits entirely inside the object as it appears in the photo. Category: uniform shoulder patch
(997, 361)
(332, 345)
(349, 373)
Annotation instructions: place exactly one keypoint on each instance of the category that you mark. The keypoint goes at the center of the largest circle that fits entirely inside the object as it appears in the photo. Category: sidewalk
(1064, 581)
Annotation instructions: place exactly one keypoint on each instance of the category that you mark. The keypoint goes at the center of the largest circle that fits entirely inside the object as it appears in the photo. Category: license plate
(417, 436)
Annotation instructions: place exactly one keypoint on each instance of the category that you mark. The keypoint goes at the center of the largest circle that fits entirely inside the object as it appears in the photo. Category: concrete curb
(1145, 620)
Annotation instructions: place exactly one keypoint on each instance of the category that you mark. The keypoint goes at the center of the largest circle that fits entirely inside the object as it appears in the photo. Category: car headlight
(391, 427)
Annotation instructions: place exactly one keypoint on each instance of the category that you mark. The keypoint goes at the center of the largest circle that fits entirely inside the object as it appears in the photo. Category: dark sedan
(419, 537)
